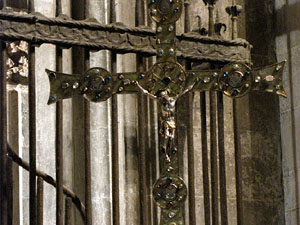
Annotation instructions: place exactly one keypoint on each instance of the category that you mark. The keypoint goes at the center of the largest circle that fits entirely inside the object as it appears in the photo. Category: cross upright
(166, 81)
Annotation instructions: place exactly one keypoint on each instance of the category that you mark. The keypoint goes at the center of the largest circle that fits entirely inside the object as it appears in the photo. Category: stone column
(228, 125)
(259, 128)
(45, 58)
(24, 153)
(288, 47)
(198, 8)
(129, 185)
(101, 134)
(67, 111)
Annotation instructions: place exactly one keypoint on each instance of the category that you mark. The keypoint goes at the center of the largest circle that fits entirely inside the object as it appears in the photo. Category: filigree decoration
(235, 80)
(165, 11)
(97, 85)
(169, 192)
(17, 62)
(165, 82)
(167, 75)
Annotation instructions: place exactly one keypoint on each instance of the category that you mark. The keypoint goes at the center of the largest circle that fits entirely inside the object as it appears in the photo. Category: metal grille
(211, 110)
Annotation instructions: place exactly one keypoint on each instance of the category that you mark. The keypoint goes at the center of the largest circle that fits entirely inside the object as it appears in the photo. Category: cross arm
(236, 80)
(96, 85)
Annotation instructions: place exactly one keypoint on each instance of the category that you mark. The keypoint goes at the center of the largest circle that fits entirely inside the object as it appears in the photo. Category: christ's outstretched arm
(145, 91)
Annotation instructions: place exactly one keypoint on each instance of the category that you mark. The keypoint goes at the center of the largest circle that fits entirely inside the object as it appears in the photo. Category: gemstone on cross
(166, 81)
(234, 80)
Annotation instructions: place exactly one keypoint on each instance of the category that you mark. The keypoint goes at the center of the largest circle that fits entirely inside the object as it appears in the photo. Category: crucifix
(166, 82)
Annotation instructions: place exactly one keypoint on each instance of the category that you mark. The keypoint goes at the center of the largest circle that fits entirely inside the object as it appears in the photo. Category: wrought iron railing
(234, 79)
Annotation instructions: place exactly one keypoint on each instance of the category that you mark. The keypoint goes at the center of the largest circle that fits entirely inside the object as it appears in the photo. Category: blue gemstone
(108, 79)
(176, 10)
(158, 196)
(225, 74)
(53, 98)
(174, 151)
(86, 78)
(97, 96)
(141, 76)
(153, 1)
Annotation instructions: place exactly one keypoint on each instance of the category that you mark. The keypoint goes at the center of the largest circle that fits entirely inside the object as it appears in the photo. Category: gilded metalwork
(166, 12)
(165, 82)
(96, 85)
(235, 80)
(166, 75)
(170, 192)
(167, 121)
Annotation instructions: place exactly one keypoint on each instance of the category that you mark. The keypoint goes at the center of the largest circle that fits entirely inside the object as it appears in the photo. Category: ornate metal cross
(167, 81)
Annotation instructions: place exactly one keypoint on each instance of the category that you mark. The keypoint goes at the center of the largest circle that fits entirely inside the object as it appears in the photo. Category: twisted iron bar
(48, 179)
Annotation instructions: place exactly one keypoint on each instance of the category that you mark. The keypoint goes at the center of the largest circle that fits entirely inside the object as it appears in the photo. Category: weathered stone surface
(24, 152)
(259, 128)
(45, 58)
(100, 135)
(46, 128)
(13, 141)
(129, 197)
(199, 9)
(288, 47)
(262, 212)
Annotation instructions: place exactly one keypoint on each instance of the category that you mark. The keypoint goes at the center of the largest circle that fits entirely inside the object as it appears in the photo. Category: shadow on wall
(287, 22)
(288, 18)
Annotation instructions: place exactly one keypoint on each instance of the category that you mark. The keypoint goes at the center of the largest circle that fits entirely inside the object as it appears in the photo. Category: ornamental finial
(210, 2)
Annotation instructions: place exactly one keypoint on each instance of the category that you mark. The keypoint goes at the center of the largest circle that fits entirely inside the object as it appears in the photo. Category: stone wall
(288, 47)
(259, 126)
(258, 118)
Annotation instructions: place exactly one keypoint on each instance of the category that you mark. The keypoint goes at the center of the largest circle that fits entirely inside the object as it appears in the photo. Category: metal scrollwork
(165, 82)
(169, 192)
(235, 80)
(166, 75)
(165, 11)
(97, 85)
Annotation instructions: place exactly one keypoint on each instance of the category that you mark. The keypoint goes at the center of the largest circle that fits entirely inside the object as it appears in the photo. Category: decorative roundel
(235, 80)
(96, 85)
(169, 192)
(165, 11)
(166, 75)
